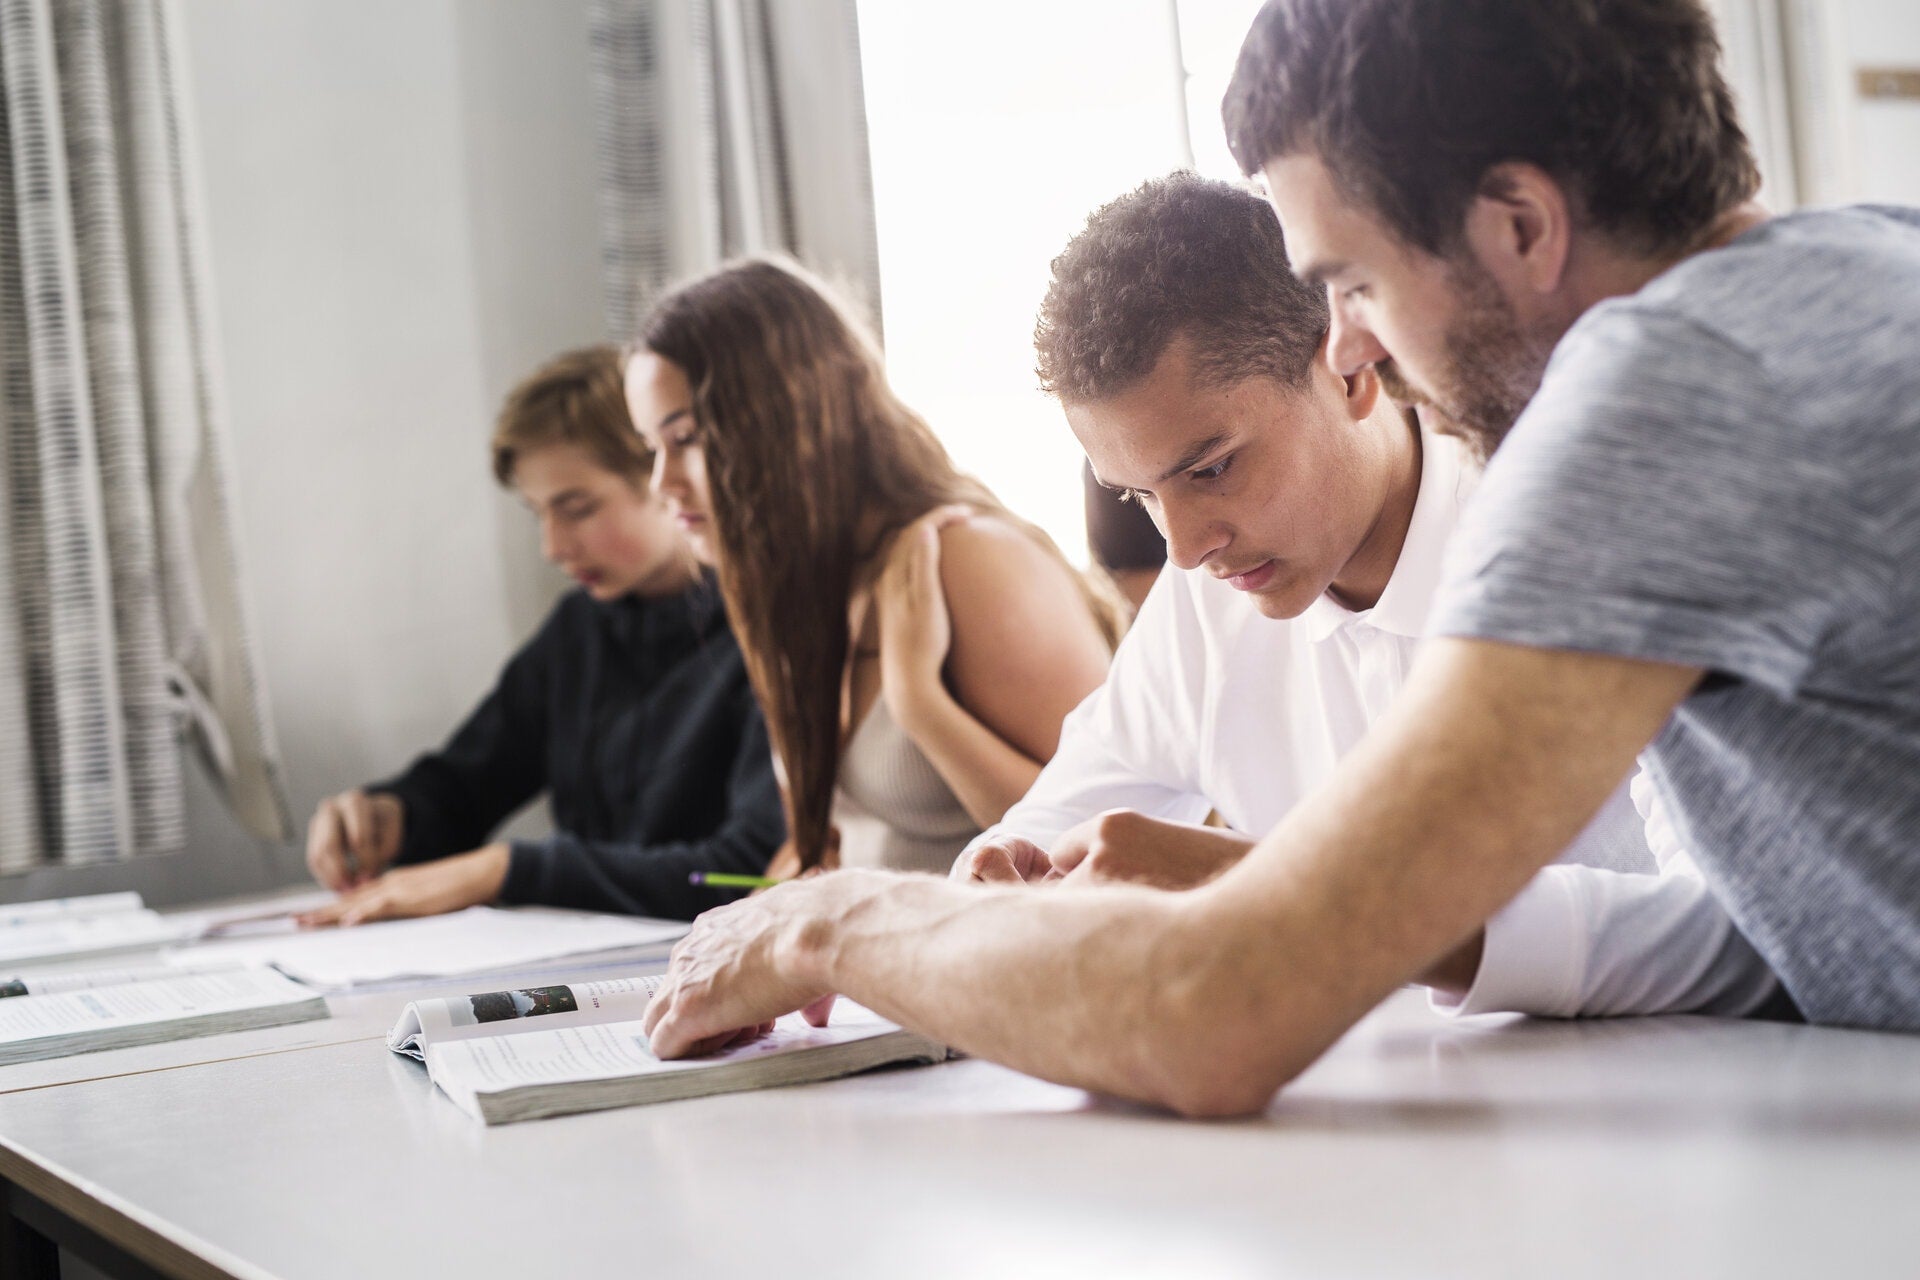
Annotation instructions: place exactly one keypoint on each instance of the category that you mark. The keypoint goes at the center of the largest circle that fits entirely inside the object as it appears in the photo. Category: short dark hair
(1408, 103)
(1182, 256)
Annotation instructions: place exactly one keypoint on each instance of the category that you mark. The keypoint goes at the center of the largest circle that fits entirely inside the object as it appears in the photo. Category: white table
(1417, 1147)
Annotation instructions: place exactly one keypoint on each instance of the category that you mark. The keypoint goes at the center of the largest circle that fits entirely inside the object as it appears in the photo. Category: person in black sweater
(630, 707)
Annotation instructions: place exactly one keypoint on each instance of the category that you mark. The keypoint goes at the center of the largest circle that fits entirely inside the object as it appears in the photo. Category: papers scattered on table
(59, 929)
(479, 940)
(503, 1056)
(116, 1017)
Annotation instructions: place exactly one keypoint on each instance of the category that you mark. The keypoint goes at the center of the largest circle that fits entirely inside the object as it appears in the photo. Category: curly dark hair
(1182, 256)
(1409, 103)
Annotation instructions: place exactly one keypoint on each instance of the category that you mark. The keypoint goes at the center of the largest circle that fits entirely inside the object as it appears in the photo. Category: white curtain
(730, 127)
(1786, 61)
(121, 617)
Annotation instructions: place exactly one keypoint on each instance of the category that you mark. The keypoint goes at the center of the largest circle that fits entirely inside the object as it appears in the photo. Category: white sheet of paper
(477, 940)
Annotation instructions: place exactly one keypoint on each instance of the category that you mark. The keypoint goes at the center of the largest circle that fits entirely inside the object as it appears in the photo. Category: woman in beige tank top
(913, 644)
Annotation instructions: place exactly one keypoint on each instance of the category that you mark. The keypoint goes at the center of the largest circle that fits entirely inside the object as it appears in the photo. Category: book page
(31, 1017)
(611, 1050)
(477, 940)
(46, 984)
(493, 1013)
(52, 937)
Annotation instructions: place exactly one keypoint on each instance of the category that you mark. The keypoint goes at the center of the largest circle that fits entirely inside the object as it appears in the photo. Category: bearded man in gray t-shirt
(1707, 423)
(1696, 538)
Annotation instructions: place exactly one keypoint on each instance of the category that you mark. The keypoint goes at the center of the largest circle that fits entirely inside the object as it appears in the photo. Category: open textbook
(115, 1017)
(53, 982)
(590, 1051)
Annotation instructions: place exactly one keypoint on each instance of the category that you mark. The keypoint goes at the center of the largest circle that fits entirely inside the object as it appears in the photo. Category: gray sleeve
(1647, 504)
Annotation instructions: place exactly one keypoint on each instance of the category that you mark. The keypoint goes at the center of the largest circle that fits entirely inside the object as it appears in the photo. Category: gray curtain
(121, 618)
(729, 127)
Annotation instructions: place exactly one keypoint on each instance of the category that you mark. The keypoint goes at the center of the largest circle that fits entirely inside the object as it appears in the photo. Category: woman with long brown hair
(914, 645)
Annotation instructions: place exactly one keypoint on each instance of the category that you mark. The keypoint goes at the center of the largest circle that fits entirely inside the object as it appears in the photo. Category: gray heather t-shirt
(1723, 471)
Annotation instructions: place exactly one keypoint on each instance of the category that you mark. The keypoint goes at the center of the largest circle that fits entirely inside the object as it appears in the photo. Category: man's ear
(1519, 227)
(1360, 389)
(1363, 392)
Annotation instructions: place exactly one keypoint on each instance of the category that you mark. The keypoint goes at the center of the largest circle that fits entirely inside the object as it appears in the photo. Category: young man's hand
(430, 889)
(353, 837)
(1007, 860)
(1124, 846)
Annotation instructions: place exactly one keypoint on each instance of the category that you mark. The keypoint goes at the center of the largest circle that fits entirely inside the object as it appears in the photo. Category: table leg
(24, 1252)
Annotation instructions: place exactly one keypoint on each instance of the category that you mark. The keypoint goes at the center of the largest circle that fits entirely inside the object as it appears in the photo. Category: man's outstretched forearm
(1208, 1001)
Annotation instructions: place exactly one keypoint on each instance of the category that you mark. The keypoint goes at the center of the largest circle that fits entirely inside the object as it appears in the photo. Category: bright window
(996, 128)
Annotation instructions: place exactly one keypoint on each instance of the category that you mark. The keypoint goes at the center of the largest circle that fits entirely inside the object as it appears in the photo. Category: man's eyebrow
(1191, 458)
(1316, 274)
(565, 495)
(670, 419)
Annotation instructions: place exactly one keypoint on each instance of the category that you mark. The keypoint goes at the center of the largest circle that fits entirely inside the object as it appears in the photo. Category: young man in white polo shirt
(1306, 524)
(1305, 514)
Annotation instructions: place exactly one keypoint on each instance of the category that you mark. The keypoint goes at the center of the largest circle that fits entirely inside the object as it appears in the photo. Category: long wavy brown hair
(813, 465)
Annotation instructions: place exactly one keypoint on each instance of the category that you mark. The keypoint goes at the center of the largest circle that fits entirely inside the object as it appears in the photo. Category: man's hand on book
(430, 889)
(741, 966)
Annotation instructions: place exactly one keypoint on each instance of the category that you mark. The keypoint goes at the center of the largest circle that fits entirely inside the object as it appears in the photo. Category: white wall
(402, 216)
(1886, 131)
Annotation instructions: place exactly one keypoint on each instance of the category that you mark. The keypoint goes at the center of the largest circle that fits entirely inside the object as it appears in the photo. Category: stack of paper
(66, 928)
(136, 1013)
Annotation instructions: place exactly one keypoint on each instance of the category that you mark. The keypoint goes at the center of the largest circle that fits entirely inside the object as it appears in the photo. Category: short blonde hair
(577, 398)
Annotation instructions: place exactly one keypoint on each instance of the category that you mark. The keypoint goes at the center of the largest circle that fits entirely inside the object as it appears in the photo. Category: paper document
(93, 904)
(60, 937)
(477, 940)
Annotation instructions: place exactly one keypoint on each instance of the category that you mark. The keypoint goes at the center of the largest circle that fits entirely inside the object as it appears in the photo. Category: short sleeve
(1649, 503)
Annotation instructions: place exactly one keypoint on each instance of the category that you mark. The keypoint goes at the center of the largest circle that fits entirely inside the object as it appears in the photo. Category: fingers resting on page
(732, 975)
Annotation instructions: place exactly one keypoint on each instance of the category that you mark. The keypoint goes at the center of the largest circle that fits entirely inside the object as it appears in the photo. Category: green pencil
(722, 880)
